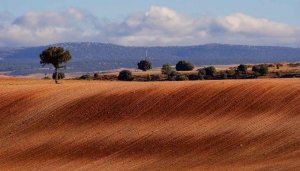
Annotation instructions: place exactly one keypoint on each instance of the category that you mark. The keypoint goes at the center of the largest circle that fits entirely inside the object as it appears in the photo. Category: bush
(61, 75)
(261, 69)
(224, 75)
(155, 78)
(125, 75)
(193, 77)
(181, 77)
(172, 75)
(96, 76)
(86, 77)
(242, 68)
(230, 73)
(166, 69)
(256, 68)
(46, 77)
(201, 77)
(202, 71)
(210, 71)
(264, 69)
(184, 66)
(278, 74)
(144, 65)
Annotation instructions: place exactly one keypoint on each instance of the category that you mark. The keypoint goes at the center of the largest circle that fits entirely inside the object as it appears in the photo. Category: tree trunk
(56, 76)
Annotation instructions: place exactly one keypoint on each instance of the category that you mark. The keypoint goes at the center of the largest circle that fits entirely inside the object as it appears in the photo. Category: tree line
(58, 57)
(209, 72)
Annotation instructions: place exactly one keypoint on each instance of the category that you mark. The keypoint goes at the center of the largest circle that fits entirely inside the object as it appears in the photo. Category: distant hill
(89, 57)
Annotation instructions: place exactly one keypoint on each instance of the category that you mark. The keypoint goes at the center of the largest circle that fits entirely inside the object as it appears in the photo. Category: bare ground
(202, 125)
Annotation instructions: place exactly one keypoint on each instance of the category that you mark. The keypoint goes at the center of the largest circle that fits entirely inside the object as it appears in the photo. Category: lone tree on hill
(55, 56)
(144, 65)
(184, 66)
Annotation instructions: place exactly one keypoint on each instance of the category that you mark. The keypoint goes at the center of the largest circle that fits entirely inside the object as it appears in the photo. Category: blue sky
(102, 16)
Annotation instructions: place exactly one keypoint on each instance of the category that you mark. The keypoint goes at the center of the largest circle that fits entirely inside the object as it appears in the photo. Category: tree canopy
(166, 69)
(144, 65)
(210, 71)
(262, 69)
(125, 75)
(55, 56)
(242, 68)
(184, 66)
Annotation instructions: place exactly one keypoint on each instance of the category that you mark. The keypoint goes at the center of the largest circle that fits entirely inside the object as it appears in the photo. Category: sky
(150, 22)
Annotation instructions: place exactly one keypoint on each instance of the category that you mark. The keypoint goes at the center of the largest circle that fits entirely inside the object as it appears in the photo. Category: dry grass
(201, 125)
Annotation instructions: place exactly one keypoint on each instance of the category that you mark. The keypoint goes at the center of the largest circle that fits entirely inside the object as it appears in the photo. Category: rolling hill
(89, 57)
(92, 125)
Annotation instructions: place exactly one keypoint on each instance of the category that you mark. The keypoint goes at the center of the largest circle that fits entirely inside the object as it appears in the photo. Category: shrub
(202, 72)
(230, 72)
(96, 75)
(46, 78)
(242, 68)
(193, 77)
(144, 65)
(181, 77)
(201, 77)
(172, 75)
(86, 77)
(224, 75)
(184, 66)
(255, 68)
(278, 74)
(125, 75)
(166, 69)
(210, 71)
(261, 69)
(60, 76)
(155, 78)
(264, 69)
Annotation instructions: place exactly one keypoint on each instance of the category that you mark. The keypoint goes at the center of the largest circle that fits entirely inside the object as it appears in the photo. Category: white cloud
(241, 23)
(158, 26)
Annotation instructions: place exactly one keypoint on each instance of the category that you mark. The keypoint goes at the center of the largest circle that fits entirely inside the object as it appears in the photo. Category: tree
(184, 66)
(172, 75)
(261, 69)
(202, 71)
(201, 77)
(242, 68)
(55, 56)
(210, 71)
(255, 68)
(224, 75)
(181, 77)
(193, 77)
(230, 72)
(166, 69)
(144, 65)
(125, 75)
(264, 69)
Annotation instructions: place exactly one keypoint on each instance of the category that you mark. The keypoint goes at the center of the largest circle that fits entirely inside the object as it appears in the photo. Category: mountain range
(90, 57)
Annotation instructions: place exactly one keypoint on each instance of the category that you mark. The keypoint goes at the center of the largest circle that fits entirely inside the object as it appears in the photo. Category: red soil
(202, 125)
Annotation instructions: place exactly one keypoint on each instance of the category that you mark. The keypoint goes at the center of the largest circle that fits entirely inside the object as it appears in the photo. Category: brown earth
(202, 125)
